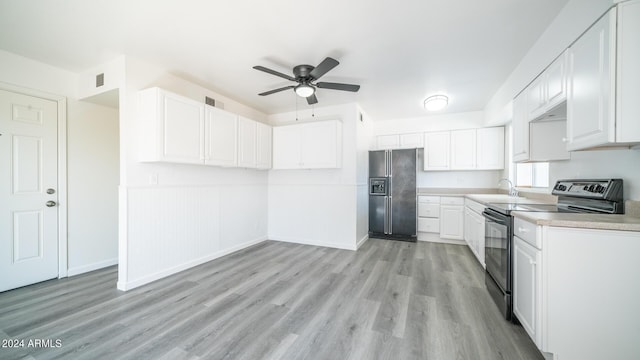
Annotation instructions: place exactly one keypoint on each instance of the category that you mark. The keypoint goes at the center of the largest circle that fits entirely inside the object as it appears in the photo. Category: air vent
(100, 80)
(209, 101)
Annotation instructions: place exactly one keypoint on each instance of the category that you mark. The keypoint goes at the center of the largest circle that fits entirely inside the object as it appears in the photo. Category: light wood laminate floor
(388, 300)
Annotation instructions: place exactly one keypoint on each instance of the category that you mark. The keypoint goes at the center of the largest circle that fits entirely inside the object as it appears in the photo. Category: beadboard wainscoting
(321, 215)
(173, 228)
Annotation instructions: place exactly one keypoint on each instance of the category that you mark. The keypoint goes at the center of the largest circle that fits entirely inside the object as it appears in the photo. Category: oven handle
(494, 219)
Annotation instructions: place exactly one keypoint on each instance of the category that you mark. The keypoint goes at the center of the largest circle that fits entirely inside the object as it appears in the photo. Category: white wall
(194, 213)
(443, 122)
(364, 136)
(570, 23)
(93, 149)
(91, 239)
(618, 163)
(318, 206)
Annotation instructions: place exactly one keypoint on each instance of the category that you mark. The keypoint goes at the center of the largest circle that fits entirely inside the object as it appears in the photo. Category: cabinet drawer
(526, 231)
(429, 199)
(452, 200)
(428, 210)
(429, 225)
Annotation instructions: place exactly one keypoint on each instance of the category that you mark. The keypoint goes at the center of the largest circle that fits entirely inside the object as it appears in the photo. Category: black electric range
(602, 196)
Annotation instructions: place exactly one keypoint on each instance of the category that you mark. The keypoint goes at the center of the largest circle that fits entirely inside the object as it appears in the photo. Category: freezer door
(403, 192)
(378, 214)
(378, 164)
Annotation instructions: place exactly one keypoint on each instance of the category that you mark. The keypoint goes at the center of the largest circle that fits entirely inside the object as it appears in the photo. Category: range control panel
(595, 189)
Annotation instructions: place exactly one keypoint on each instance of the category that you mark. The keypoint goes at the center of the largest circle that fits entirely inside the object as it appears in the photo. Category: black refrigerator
(392, 194)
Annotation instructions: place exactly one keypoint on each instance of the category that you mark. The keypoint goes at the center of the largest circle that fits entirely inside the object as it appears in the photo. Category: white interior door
(28, 190)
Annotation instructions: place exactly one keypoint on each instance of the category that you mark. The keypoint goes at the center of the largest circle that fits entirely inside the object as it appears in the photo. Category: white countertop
(586, 221)
(503, 199)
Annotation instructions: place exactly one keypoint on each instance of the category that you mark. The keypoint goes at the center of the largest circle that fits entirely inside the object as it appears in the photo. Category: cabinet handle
(531, 262)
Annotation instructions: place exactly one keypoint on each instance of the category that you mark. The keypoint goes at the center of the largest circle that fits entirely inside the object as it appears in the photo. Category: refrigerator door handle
(390, 214)
(386, 213)
(390, 164)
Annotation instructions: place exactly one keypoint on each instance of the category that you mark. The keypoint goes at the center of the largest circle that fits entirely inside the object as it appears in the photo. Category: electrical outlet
(153, 179)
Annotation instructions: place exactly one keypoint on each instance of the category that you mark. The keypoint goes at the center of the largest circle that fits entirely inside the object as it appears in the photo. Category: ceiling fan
(306, 77)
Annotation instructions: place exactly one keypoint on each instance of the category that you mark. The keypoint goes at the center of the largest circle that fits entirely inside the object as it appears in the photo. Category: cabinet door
(478, 228)
(591, 99)
(628, 73)
(388, 142)
(263, 146)
(556, 82)
(452, 222)
(320, 145)
(535, 94)
(526, 286)
(437, 150)
(490, 148)
(221, 136)
(247, 141)
(520, 128)
(468, 226)
(182, 129)
(286, 147)
(463, 149)
(412, 141)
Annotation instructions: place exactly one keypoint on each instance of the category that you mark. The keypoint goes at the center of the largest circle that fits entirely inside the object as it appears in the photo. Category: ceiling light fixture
(304, 90)
(436, 102)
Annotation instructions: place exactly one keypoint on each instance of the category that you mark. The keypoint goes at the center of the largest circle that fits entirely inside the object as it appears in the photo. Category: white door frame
(62, 167)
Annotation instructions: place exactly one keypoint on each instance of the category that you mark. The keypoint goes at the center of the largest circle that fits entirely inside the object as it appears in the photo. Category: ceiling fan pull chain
(295, 97)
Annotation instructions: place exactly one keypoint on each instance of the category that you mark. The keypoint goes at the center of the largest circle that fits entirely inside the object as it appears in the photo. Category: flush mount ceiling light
(436, 102)
(304, 90)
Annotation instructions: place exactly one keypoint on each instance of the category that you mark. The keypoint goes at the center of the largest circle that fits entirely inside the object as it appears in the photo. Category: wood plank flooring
(388, 300)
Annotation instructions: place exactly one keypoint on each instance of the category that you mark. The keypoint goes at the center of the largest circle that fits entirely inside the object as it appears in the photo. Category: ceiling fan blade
(324, 67)
(312, 99)
(338, 86)
(276, 90)
(273, 72)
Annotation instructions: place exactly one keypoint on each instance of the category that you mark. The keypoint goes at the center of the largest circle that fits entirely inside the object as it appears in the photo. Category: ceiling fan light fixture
(436, 102)
(304, 90)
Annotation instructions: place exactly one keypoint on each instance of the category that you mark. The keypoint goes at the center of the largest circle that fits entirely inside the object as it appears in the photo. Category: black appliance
(392, 194)
(602, 196)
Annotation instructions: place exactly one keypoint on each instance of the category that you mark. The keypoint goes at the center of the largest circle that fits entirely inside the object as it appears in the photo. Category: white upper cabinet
(463, 149)
(386, 142)
(490, 148)
(437, 148)
(402, 141)
(173, 126)
(548, 90)
(520, 128)
(604, 81)
(221, 140)
(471, 149)
(264, 137)
(247, 143)
(316, 145)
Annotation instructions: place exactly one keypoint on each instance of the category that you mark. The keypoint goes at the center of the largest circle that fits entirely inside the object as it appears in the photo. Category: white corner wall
(93, 168)
(91, 241)
(194, 213)
(317, 207)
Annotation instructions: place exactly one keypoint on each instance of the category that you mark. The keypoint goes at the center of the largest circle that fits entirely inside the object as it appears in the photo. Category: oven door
(498, 248)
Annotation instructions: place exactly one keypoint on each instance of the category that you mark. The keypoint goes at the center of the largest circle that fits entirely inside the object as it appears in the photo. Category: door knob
(51, 203)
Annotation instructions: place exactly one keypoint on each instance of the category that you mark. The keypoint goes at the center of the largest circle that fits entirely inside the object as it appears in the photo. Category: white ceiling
(398, 51)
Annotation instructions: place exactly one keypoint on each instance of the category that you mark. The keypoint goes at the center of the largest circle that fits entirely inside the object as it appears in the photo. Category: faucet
(512, 190)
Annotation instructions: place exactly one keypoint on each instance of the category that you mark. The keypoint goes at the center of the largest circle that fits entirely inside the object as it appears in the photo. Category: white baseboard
(362, 241)
(124, 286)
(91, 267)
(297, 240)
(435, 237)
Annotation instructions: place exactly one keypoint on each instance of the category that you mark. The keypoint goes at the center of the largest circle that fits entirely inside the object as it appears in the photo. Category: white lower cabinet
(575, 290)
(452, 218)
(474, 229)
(429, 214)
(526, 287)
